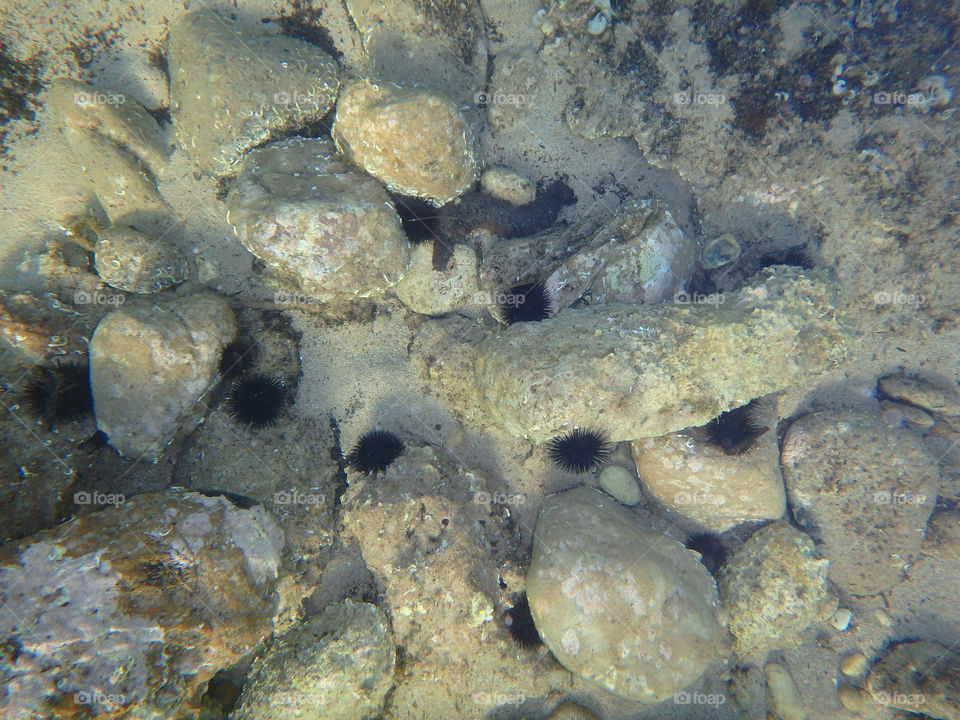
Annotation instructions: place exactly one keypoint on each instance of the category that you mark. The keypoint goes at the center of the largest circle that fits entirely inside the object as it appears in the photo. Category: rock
(783, 696)
(34, 326)
(698, 480)
(150, 365)
(509, 185)
(640, 256)
(851, 698)
(432, 292)
(232, 87)
(919, 677)
(854, 664)
(639, 371)
(841, 619)
(118, 145)
(923, 393)
(720, 251)
(867, 488)
(134, 262)
(126, 609)
(323, 226)
(620, 484)
(570, 711)
(627, 609)
(336, 665)
(771, 589)
(897, 414)
(442, 47)
(414, 140)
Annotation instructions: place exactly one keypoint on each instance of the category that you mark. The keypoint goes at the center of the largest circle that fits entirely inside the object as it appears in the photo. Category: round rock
(621, 484)
(337, 665)
(322, 225)
(232, 86)
(150, 365)
(134, 262)
(625, 608)
(868, 488)
(414, 140)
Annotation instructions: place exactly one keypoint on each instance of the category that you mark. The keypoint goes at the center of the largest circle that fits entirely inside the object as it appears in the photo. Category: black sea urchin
(520, 624)
(579, 451)
(374, 452)
(735, 432)
(530, 302)
(713, 553)
(59, 393)
(256, 401)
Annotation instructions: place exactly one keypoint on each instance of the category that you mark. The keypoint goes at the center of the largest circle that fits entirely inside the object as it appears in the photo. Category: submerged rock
(150, 365)
(134, 262)
(919, 677)
(414, 140)
(336, 665)
(868, 490)
(771, 589)
(126, 608)
(625, 608)
(639, 371)
(232, 86)
(318, 223)
(435, 292)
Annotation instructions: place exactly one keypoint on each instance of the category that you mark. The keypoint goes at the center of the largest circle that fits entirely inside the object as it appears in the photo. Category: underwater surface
(488, 359)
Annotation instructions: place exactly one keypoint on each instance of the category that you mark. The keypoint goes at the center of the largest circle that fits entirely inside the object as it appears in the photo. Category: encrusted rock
(118, 145)
(320, 224)
(414, 140)
(625, 608)
(150, 365)
(435, 292)
(867, 488)
(640, 256)
(919, 677)
(232, 86)
(137, 606)
(771, 589)
(336, 665)
(134, 262)
(698, 480)
(645, 370)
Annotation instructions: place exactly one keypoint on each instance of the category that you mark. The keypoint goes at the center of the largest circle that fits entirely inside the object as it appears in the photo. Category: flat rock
(866, 488)
(625, 608)
(150, 365)
(126, 609)
(233, 86)
(919, 677)
(940, 399)
(639, 371)
(321, 225)
(336, 665)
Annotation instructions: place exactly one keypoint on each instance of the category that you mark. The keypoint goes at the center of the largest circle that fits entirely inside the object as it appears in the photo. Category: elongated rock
(233, 86)
(150, 365)
(628, 609)
(643, 371)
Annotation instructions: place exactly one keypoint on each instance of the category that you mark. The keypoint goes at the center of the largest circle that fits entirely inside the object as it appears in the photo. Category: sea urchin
(520, 625)
(59, 393)
(579, 451)
(530, 302)
(374, 452)
(735, 432)
(256, 401)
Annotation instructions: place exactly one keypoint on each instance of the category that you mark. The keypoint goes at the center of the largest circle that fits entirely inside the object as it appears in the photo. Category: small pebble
(850, 697)
(854, 664)
(827, 607)
(841, 619)
(621, 484)
(783, 696)
(883, 617)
